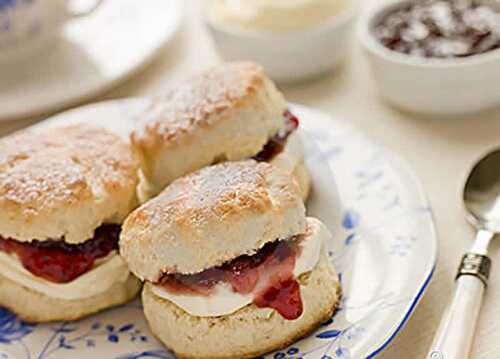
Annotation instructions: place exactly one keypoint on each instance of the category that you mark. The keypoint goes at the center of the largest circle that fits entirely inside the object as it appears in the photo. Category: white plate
(384, 248)
(94, 54)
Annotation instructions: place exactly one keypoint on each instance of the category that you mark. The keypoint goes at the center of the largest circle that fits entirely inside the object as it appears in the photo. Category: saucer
(92, 55)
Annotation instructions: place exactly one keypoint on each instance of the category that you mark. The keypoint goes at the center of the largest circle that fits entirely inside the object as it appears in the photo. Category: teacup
(29, 25)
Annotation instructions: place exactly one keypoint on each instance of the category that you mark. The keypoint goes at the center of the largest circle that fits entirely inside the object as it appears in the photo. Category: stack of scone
(233, 267)
(230, 112)
(63, 195)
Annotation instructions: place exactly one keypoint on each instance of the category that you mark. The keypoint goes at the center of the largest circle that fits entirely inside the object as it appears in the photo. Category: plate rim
(407, 316)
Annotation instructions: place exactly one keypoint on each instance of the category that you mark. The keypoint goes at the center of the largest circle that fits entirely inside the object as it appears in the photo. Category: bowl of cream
(292, 39)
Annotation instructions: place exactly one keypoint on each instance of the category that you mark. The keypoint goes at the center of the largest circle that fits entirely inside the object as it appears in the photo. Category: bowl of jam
(435, 56)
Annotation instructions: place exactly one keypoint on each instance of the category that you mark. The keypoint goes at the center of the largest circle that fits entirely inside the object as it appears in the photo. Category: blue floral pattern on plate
(11, 328)
(7, 4)
(384, 249)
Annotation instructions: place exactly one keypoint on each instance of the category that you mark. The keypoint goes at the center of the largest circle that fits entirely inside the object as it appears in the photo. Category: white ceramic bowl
(288, 56)
(429, 86)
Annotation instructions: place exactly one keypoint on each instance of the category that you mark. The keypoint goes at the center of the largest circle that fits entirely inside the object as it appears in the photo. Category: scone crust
(249, 332)
(212, 216)
(35, 307)
(63, 183)
(226, 113)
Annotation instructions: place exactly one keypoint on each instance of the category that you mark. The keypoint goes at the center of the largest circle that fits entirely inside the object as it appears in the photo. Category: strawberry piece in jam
(59, 262)
(268, 273)
(277, 143)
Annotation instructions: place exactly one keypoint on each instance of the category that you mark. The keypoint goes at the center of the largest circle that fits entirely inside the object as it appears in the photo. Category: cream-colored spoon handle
(455, 334)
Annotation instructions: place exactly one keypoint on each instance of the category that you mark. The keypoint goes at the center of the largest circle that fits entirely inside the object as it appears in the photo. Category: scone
(231, 112)
(64, 193)
(233, 267)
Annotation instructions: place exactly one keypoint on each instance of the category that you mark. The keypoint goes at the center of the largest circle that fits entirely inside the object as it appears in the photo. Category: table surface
(440, 151)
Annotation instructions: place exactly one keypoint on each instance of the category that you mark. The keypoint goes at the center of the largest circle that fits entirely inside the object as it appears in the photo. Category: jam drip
(277, 143)
(59, 262)
(268, 274)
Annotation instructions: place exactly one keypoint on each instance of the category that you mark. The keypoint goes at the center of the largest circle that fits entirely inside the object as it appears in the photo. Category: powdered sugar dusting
(192, 102)
(219, 191)
(47, 170)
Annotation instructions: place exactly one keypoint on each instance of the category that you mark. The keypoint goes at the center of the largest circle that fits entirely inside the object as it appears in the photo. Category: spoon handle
(455, 334)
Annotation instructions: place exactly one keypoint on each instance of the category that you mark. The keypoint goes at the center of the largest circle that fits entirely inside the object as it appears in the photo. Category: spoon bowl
(481, 195)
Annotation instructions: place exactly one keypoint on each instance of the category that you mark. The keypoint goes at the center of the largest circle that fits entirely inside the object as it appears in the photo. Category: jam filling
(277, 143)
(59, 262)
(268, 274)
(441, 29)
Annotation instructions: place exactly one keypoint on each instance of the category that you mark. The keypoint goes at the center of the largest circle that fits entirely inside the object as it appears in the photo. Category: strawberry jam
(277, 143)
(59, 262)
(268, 274)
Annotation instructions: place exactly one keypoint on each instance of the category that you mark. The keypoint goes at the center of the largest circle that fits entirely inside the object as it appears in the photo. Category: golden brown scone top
(60, 171)
(218, 191)
(192, 103)
(211, 216)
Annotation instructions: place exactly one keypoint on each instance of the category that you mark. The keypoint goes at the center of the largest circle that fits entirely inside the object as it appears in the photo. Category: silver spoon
(481, 198)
